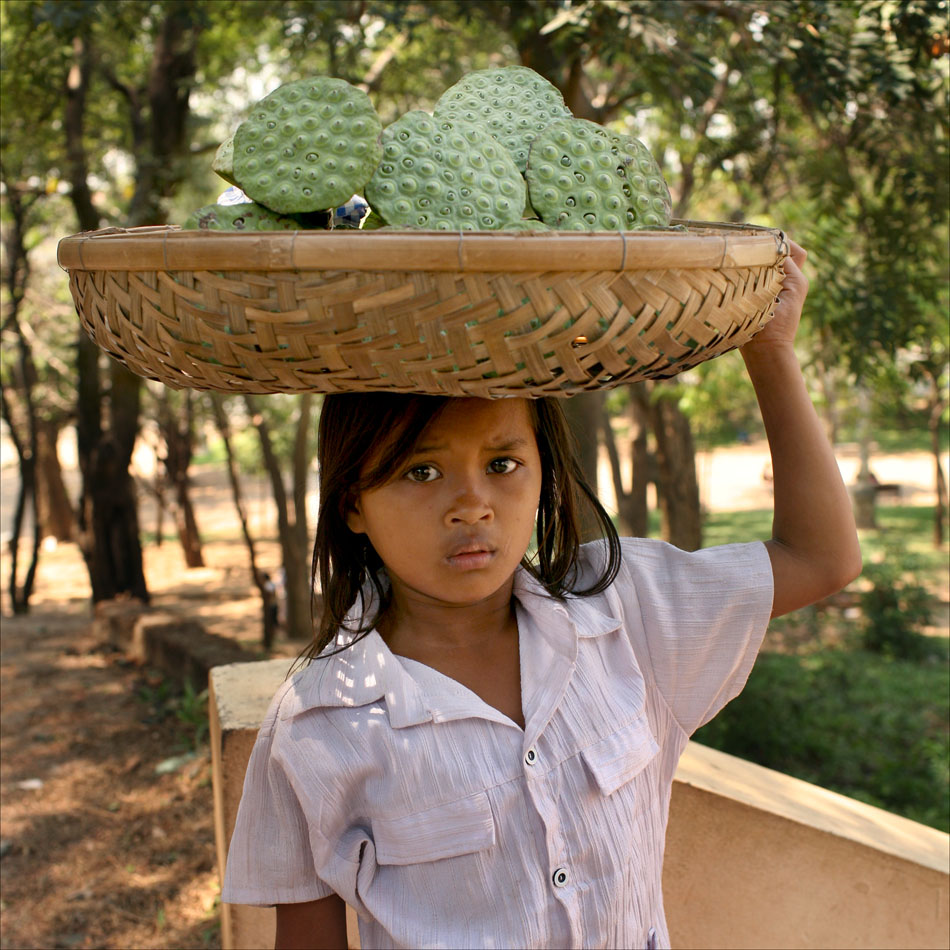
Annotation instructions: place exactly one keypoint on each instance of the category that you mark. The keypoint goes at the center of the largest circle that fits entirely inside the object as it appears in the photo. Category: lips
(471, 555)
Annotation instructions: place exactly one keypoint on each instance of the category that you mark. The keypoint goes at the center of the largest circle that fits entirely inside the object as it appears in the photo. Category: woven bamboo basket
(476, 313)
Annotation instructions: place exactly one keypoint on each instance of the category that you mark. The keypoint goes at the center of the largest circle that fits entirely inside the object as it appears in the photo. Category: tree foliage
(828, 119)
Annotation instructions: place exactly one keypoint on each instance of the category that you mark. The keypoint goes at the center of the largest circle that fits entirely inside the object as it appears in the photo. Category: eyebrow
(508, 445)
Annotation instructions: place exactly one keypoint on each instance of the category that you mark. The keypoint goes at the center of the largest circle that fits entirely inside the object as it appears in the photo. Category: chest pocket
(445, 831)
(619, 757)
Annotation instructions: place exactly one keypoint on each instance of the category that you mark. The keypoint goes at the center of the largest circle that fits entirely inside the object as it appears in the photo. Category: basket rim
(168, 248)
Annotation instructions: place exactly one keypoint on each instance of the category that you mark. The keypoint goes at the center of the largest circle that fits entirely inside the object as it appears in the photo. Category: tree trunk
(114, 559)
(616, 475)
(269, 624)
(22, 389)
(302, 592)
(178, 436)
(940, 481)
(632, 504)
(108, 517)
(159, 492)
(77, 83)
(826, 375)
(864, 493)
(938, 404)
(680, 512)
(297, 575)
(57, 518)
(26, 495)
(160, 139)
(583, 415)
(108, 520)
(642, 462)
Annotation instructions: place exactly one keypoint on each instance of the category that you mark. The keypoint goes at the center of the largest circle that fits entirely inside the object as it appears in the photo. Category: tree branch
(374, 75)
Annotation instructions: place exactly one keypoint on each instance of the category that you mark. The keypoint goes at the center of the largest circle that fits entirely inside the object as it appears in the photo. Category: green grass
(896, 441)
(907, 529)
(728, 527)
(911, 436)
(866, 726)
(871, 725)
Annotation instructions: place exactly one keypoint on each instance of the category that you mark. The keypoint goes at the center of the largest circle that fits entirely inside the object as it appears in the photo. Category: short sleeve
(270, 858)
(702, 617)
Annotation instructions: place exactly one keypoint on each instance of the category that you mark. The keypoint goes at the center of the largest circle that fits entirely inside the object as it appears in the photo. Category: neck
(415, 623)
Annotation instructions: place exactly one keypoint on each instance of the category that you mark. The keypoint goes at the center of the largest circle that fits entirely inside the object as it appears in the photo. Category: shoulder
(280, 701)
(655, 575)
(323, 737)
(650, 558)
(307, 690)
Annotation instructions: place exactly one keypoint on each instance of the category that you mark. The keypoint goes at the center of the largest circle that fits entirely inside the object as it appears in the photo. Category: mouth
(471, 556)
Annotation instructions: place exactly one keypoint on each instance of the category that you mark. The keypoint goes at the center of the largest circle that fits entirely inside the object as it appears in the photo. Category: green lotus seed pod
(605, 182)
(513, 103)
(242, 217)
(373, 222)
(528, 224)
(319, 159)
(441, 187)
(223, 161)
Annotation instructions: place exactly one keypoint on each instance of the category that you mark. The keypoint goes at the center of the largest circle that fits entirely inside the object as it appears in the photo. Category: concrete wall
(754, 858)
(238, 697)
(178, 645)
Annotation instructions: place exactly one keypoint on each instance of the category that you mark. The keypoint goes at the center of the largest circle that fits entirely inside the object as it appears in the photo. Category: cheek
(527, 501)
(384, 515)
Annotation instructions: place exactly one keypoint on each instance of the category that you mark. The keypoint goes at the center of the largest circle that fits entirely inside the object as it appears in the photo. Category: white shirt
(444, 824)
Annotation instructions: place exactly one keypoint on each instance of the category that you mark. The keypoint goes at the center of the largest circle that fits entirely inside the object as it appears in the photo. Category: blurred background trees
(826, 119)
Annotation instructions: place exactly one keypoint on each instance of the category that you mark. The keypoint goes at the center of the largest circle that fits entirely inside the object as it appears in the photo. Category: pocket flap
(617, 758)
(446, 831)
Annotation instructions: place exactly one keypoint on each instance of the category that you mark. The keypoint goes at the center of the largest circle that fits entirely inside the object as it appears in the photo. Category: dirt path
(99, 848)
(106, 825)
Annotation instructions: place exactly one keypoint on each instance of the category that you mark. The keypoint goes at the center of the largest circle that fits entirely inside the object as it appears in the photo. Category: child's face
(455, 521)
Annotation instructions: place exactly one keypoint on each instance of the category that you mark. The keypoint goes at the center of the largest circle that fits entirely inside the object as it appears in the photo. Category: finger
(794, 283)
(796, 252)
(793, 272)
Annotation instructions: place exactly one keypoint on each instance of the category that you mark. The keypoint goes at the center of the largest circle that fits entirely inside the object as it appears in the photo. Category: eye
(423, 473)
(502, 466)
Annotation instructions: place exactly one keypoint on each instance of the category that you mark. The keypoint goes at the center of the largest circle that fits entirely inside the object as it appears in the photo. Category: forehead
(482, 418)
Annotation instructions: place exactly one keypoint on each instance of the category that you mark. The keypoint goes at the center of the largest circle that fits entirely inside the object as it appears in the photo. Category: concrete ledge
(754, 858)
(238, 697)
(180, 647)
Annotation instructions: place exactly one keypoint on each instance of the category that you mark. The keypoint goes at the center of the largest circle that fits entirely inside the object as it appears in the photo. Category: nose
(470, 506)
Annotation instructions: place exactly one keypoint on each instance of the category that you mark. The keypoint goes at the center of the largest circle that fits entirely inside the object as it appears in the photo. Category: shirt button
(530, 757)
(560, 877)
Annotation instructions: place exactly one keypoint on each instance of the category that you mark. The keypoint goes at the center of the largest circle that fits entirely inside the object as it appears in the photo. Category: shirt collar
(573, 617)
(363, 673)
(367, 671)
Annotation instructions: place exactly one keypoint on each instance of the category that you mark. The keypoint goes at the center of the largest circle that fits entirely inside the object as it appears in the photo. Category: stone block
(174, 644)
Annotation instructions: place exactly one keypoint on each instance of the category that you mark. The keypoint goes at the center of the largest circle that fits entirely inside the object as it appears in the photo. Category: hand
(788, 311)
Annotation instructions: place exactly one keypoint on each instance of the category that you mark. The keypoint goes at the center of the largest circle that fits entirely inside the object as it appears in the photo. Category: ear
(354, 516)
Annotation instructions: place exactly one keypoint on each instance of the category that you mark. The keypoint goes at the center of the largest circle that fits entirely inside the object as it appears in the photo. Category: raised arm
(814, 546)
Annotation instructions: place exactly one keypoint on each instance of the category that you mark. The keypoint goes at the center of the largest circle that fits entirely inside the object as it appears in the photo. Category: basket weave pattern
(456, 332)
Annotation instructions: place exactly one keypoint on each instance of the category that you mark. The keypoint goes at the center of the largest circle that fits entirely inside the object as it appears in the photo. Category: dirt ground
(106, 828)
(107, 835)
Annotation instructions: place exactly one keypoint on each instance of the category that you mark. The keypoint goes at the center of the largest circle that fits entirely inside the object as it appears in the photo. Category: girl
(482, 752)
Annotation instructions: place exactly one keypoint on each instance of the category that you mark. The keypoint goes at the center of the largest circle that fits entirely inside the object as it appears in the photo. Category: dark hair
(364, 438)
